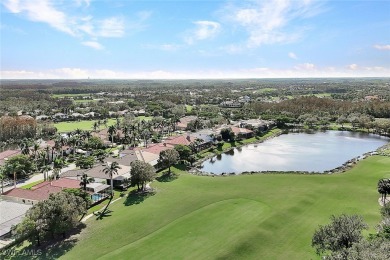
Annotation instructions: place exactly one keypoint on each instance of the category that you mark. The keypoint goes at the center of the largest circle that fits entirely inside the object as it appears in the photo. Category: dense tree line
(17, 127)
(314, 105)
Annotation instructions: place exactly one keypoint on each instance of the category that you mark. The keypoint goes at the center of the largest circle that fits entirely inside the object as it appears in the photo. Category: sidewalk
(39, 177)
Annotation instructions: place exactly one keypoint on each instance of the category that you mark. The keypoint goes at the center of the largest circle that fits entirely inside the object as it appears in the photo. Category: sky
(179, 39)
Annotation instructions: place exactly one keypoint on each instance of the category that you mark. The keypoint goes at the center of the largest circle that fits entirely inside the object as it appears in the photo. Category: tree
(19, 166)
(3, 176)
(45, 169)
(227, 134)
(111, 131)
(384, 188)
(191, 159)
(85, 162)
(168, 158)
(339, 235)
(184, 151)
(85, 180)
(141, 173)
(56, 215)
(378, 249)
(112, 169)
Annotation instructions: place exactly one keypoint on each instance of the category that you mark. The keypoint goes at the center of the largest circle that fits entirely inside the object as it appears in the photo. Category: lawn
(237, 217)
(70, 95)
(29, 186)
(64, 127)
(146, 118)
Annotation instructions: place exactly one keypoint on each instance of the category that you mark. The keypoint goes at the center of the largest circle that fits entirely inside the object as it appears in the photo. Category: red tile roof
(238, 130)
(42, 190)
(9, 153)
(37, 194)
(157, 148)
(182, 139)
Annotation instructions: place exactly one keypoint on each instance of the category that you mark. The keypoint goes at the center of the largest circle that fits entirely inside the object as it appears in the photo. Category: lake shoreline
(339, 169)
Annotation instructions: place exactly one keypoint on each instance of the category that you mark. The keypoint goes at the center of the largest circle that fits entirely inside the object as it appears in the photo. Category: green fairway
(146, 118)
(70, 95)
(237, 217)
(64, 127)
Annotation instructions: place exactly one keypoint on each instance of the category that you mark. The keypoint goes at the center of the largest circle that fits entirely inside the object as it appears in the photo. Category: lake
(317, 152)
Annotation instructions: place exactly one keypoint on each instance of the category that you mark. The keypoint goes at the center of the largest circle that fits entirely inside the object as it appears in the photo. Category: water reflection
(320, 151)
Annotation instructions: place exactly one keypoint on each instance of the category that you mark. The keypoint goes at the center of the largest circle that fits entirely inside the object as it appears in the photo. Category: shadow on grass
(136, 197)
(50, 249)
(167, 177)
(105, 212)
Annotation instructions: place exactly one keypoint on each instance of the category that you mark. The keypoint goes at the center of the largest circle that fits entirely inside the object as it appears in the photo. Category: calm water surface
(319, 152)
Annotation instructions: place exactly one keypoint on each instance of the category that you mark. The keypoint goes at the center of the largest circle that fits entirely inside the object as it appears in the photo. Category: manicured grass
(101, 205)
(146, 118)
(238, 217)
(28, 186)
(64, 127)
(78, 101)
(70, 95)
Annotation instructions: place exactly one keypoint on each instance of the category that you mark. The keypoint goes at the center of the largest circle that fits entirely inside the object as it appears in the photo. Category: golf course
(259, 216)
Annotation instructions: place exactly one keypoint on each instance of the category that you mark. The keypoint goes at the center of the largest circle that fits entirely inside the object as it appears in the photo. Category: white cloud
(204, 30)
(382, 47)
(42, 11)
(111, 27)
(306, 70)
(268, 21)
(305, 66)
(93, 44)
(292, 55)
(82, 2)
(352, 66)
(48, 12)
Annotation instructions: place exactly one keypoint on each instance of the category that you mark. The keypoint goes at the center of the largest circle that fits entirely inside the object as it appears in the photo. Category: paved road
(38, 177)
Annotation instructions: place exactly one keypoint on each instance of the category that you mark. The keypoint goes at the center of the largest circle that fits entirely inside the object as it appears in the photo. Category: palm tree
(35, 149)
(3, 176)
(146, 135)
(95, 126)
(14, 168)
(25, 149)
(384, 188)
(45, 169)
(111, 131)
(85, 180)
(112, 169)
(126, 137)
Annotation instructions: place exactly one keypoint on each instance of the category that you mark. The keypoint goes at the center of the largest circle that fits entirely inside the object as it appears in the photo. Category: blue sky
(194, 39)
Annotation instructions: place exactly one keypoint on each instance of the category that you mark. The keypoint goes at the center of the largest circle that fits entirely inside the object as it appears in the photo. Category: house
(256, 124)
(244, 99)
(158, 148)
(148, 157)
(242, 132)
(124, 159)
(97, 172)
(12, 214)
(230, 104)
(42, 118)
(8, 154)
(181, 139)
(183, 123)
(91, 115)
(59, 116)
(77, 115)
(39, 192)
(204, 140)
